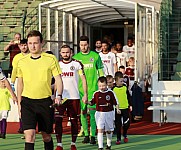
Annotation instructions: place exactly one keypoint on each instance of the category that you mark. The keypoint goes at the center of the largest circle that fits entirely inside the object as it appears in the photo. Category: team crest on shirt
(108, 97)
(6, 92)
(109, 57)
(91, 59)
(72, 68)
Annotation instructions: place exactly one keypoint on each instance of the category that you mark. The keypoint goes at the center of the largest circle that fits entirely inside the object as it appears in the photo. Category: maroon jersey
(104, 100)
(126, 80)
(13, 50)
(130, 72)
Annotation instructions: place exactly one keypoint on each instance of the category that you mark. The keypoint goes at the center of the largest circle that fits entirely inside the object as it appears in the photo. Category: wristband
(59, 96)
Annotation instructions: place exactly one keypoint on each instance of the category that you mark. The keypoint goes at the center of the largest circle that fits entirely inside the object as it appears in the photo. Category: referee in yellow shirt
(24, 51)
(35, 72)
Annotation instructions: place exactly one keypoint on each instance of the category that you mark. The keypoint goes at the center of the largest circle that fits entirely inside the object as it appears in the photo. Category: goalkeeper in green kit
(93, 69)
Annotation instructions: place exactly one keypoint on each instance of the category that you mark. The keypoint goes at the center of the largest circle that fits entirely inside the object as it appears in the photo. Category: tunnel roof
(97, 11)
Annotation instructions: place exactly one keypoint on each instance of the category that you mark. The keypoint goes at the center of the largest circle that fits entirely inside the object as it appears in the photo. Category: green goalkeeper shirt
(92, 63)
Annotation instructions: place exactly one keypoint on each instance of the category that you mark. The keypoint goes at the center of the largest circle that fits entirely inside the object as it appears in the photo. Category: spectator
(13, 48)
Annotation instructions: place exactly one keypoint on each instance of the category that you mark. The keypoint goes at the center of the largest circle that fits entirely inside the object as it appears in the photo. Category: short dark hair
(118, 75)
(121, 67)
(23, 41)
(99, 40)
(130, 38)
(102, 79)
(17, 34)
(65, 46)
(109, 77)
(49, 52)
(105, 42)
(35, 33)
(84, 38)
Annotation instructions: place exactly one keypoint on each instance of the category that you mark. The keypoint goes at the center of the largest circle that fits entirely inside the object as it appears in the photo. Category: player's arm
(14, 71)
(115, 67)
(20, 87)
(59, 88)
(6, 48)
(84, 84)
(99, 66)
(100, 72)
(115, 63)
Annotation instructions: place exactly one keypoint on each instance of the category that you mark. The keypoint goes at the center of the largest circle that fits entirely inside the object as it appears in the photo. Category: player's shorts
(35, 111)
(72, 106)
(3, 114)
(105, 120)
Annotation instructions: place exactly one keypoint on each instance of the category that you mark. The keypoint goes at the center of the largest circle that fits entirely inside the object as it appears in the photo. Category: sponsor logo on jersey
(72, 68)
(91, 59)
(106, 61)
(108, 97)
(109, 57)
(68, 74)
(87, 66)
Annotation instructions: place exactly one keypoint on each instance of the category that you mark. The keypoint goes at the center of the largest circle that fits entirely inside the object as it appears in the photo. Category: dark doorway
(116, 34)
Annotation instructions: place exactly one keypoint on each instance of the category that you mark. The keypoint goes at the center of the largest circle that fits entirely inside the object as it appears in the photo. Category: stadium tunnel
(63, 21)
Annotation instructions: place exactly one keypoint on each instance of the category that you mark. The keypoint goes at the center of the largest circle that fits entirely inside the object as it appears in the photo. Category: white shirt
(70, 78)
(129, 50)
(108, 61)
(122, 58)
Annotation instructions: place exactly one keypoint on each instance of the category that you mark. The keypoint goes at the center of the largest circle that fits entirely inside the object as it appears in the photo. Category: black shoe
(93, 140)
(3, 136)
(20, 131)
(100, 148)
(86, 140)
(108, 147)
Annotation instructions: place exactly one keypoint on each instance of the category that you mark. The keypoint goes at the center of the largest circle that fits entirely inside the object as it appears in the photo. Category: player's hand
(58, 100)
(118, 111)
(85, 99)
(14, 98)
(11, 43)
(130, 108)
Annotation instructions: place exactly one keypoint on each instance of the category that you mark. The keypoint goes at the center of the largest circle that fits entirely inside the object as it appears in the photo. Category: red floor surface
(145, 126)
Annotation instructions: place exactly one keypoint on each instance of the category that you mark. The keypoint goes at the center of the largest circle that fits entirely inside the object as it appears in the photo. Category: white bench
(162, 110)
(168, 101)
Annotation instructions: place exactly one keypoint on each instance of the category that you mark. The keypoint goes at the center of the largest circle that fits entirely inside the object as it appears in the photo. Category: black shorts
(35, 111)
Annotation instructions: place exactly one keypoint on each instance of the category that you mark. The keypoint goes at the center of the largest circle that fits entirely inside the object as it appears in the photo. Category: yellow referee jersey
(37, 74)
(15, 65)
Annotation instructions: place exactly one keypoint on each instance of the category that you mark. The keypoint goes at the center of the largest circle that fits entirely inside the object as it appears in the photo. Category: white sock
(72, 143)
(100, 139)
(59, 144)
(109, 139)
